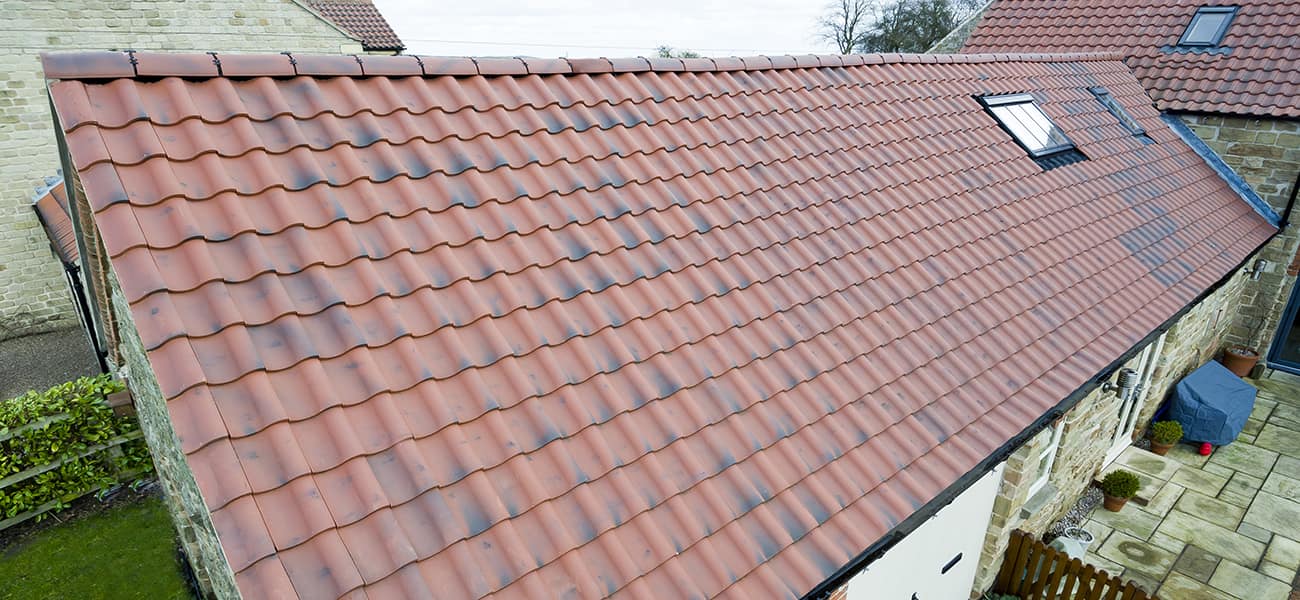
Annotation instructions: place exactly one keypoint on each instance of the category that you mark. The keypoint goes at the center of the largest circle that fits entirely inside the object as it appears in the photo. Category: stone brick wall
(1266, 153)
(1089, 428)
(33, 295)
(189, 514)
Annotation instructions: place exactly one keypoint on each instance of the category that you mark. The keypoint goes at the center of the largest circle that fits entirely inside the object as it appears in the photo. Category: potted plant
(1117, 487)
(1240, 360)
(1164, 434)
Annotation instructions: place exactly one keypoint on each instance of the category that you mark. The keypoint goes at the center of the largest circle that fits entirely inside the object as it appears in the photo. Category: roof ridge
(132, 64)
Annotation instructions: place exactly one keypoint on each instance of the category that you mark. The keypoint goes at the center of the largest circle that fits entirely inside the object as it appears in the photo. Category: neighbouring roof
(1254, 71)
(652, 328)
(362, 19)
(51, 205)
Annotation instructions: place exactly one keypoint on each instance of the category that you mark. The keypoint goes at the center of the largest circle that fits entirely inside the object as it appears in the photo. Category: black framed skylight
(1020, 116)
(1208, 26)
(1121, 115)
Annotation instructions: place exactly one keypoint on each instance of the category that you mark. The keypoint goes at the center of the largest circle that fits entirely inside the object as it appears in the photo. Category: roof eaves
(129, 64)
(1212, 159)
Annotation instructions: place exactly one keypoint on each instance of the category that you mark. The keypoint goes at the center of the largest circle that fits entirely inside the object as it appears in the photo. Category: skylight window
(1208, 26)
(1028, 124)
(1113, 105)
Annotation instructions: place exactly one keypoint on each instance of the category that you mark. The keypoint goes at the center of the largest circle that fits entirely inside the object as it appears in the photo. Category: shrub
(1166, 432)
(1121, 484)
(64, 427)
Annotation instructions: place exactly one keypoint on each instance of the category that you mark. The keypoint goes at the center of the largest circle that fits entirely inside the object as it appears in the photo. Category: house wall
(1266, 153)
(1089, 428)
(33, 294)
(189, 514)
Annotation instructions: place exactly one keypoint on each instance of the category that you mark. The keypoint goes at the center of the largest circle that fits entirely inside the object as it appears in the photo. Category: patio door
(1284, 353)
(1130, 404)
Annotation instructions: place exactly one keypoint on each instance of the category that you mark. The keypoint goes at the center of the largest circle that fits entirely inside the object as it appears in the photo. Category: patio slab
(1138, 555)
(1275, 514)
(1227, 543)
(1218, 527)
(1246, 584)
(1249, 459)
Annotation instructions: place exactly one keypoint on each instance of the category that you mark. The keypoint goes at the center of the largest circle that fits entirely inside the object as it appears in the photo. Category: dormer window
(1208, 26)
(1020, 116)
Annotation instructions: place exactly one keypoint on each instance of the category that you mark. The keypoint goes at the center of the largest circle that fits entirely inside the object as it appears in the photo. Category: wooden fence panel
(1034, 571)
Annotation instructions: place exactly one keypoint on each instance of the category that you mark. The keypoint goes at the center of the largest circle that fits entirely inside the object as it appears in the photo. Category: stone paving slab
(1277, 572)
(1137, 459)
(1211, 509)
(1241, 489)
(1226, 543)
(1247, 584)
(1195, 479)
(1284, 551)
(1181, 587)
(1275, 514)
(1279, 439)
(1281, 485)
(1249, 459)
(1137, 555)
(1131, 520)
(1197, 563)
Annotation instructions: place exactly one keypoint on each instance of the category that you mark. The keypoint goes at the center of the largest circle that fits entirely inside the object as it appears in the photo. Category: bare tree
(891, 25)
(844, 23)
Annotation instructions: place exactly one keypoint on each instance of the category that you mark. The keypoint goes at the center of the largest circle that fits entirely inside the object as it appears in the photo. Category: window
(1208, 26)
(1031, 128)
(1047, 459)
(1113, 105)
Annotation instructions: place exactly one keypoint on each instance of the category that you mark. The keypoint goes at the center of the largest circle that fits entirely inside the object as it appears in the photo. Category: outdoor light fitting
(1124, 383)
(1260, 267)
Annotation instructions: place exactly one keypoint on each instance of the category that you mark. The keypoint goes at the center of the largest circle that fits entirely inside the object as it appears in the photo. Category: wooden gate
(1034, 571)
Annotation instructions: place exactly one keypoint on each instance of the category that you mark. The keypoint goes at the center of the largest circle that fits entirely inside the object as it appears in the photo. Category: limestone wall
(33, 294)
(1265, 153)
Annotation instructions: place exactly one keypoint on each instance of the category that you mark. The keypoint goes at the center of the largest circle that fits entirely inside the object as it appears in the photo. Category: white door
(1131, 404)
(938, 560)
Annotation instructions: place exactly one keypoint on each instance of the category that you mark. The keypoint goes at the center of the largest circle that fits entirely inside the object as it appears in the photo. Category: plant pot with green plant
(1117, 487)
(1164, 434)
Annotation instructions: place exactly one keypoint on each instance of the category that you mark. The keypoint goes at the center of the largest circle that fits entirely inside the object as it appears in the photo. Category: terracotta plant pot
(1159, 448)
(1239, 359)
(1113, 503)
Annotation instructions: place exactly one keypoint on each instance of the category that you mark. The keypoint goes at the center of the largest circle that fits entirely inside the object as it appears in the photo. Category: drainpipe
(1286, 213)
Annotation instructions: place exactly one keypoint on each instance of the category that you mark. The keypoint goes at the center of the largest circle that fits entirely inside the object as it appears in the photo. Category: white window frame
(1048, 456)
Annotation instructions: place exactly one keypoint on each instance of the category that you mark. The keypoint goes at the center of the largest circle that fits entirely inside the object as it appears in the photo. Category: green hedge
(58, 445)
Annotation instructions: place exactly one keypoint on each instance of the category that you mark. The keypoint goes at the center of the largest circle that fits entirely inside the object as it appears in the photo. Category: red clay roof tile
(1255, 70)
(51, 205)
(698, 332)
(362, 19)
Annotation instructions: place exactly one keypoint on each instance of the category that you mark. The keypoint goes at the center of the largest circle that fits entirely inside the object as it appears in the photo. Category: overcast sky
(576, 28)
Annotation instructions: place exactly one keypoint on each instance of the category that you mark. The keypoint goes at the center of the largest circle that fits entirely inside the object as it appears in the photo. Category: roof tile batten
(608, 335)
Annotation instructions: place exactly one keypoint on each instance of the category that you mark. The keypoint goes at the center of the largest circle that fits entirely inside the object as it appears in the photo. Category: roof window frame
(993, 102)
(1217, 38)
(1117, 110)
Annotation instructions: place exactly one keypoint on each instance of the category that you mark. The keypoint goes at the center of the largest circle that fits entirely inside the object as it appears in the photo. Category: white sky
(578, 28)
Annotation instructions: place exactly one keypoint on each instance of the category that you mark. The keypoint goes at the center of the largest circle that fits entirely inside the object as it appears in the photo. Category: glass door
(1284, 354)
(1130, 405)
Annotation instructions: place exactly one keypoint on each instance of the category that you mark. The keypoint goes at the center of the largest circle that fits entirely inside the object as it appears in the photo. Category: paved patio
(1222, 526)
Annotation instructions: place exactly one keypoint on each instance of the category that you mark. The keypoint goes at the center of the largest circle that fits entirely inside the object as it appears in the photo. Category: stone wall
(33, 294)
(1265, 153)
(1089, 430)
(189, 514)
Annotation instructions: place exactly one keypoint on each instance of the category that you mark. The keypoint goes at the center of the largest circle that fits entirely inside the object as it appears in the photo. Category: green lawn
(126, 551)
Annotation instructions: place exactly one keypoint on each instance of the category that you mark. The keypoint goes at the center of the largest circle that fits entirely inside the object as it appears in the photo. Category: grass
(124, 551)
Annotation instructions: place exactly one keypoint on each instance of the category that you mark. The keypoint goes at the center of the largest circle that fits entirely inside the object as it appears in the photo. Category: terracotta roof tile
(51, 205)
(362, 19)
(1255, 70)
(643, 328)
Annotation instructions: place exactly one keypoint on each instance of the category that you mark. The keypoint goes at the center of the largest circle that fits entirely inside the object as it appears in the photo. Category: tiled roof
(51, 204)
(649, 328)
(1254, 71)
(362, 19)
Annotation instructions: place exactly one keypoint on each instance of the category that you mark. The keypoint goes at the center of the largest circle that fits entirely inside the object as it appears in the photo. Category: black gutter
(1286, 212)
(908, 525)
